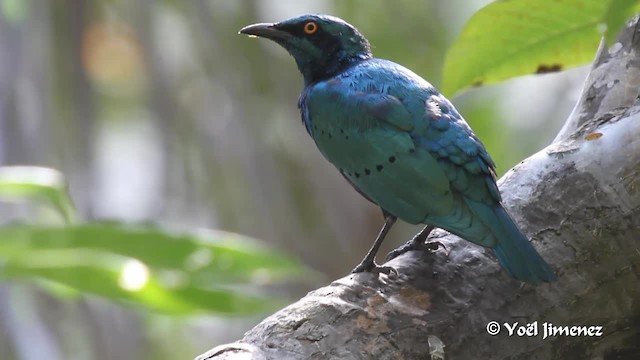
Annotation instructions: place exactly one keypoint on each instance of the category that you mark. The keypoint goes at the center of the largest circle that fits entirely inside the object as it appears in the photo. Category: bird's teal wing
(466, 162)
(365, 131)
(479, 216)
(468, 168)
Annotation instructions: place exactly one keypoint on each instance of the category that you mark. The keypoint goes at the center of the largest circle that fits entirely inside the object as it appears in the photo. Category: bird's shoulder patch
(458, 150)
(432, 107)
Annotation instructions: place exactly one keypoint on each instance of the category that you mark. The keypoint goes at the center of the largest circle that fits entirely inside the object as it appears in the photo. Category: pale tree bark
(578, 199)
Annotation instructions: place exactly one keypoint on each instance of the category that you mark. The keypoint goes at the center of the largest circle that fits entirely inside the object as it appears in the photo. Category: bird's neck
(315, 71)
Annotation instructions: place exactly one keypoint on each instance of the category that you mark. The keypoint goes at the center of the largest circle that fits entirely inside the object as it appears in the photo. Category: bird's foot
(372, 267)
(415, 244)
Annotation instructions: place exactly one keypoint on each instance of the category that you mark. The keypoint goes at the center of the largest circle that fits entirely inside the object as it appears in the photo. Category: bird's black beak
(265, 30)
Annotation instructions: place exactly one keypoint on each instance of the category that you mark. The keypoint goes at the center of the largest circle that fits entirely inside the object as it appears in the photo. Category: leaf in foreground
(211, 271)
(519, 37)
(33, 183)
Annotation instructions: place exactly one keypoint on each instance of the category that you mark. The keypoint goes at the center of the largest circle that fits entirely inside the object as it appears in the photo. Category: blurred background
(157, 110)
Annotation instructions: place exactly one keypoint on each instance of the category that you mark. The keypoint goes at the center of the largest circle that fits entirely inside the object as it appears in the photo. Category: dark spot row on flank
(322, 132)
(367, 171)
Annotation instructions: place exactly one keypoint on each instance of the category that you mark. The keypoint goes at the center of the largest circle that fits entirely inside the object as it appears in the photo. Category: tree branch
(613, 81)
(578, 199)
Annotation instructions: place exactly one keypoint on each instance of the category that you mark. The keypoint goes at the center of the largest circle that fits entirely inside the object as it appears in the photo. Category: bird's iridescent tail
(516, 254)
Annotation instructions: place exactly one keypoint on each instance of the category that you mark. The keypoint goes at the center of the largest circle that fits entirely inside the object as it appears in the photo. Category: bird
(399, 143)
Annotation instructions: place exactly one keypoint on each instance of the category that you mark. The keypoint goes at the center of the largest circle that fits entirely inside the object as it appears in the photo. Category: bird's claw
(376, 269)
(430, 247)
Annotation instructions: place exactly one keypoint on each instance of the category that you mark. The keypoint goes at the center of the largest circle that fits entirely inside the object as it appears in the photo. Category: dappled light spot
(134, 275)
(593, 136)
(112, 57)
(542, 69)
(261, 277)
(32, 174)
(173, 279)
(436, 347)
(433, 108)
(198, 259)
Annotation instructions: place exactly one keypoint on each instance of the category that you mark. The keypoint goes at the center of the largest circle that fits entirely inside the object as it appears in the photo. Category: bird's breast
(382, 162)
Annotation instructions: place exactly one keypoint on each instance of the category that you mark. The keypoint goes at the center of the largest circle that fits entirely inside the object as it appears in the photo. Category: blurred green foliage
(170, 272)
(521, 37)
(44, 185)
(13, 10)
(616, 14)
(210, 271)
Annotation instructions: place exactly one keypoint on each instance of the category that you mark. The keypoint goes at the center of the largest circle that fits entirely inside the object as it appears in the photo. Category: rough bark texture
(578, 199)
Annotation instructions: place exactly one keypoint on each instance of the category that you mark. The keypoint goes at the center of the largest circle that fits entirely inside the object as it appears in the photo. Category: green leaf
(616, 16)
(517, 37)
(209, 271)
(37, 184)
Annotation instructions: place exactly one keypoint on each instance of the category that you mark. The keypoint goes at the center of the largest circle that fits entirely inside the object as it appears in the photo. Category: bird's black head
(322, 45)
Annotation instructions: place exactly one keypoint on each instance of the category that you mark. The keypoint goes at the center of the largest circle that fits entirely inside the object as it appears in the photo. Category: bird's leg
(418, 242)
(368, 263)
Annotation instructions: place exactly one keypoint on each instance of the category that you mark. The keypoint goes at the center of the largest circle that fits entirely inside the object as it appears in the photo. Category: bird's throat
(314, 71)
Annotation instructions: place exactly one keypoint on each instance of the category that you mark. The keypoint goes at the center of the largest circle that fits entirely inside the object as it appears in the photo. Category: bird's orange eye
(310, 27)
